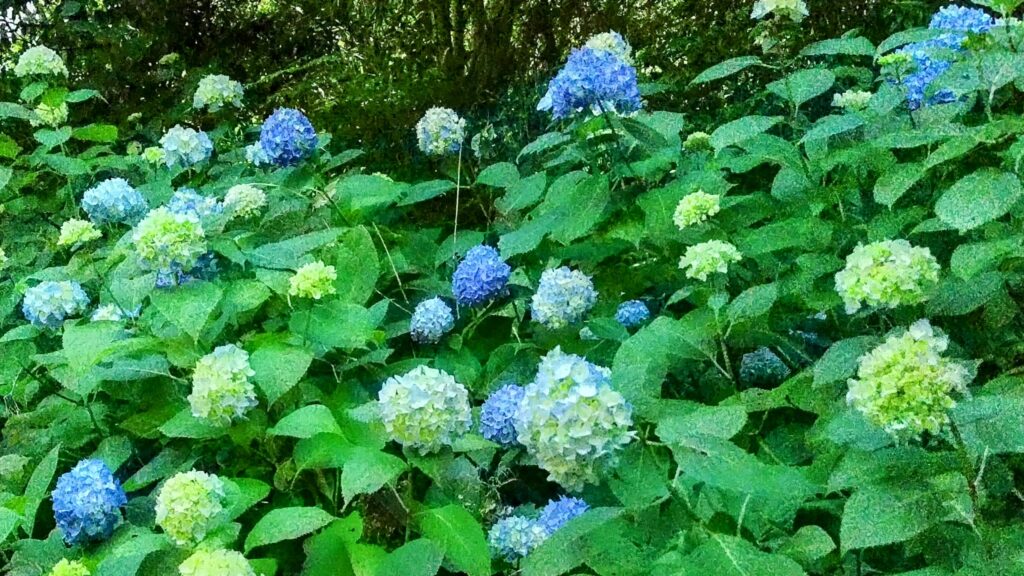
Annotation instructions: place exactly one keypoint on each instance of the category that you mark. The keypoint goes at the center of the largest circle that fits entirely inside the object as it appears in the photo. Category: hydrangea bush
(782, 338)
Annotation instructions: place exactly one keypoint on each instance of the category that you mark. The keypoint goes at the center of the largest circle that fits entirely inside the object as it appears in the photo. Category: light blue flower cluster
(564, 297)
(498, 414)
(514, 537)
(431, 320)
(632, 313)
(113, 313)
(217, 91)
(187, 201)
(287, 137)
(480, 277)
(49, 303)
(597, 80)
(87, 502)
(931, 58)
(114, 201)
(425, 409)
(559, 512)
(440, 132)
(256, 155)
(185, 147)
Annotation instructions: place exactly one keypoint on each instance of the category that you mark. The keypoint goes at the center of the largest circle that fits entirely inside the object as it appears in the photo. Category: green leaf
(306, 422)
(285, 255)
(363, 192)
(367, 470)
(993, 424)
(81, 96)
(724, 555)
(185, 425)
(753, 302)
(12, 110)
(800, 87)
(39, 486)
(65, 165)
(741, 130)
(278, 368)
(331, 552)
(571, 545)
(956, 297)
(649, 138)
(856, 46)
(9, 520)
(286, 524)
(969, 260)
(357, 266)
(416, 558)
(188, 306)
(501, 175)
(893, 184)
(426, 191)
(726, 69)
(334, 324)
(716, 421)
(805, 233)
(461, 537)
(832, 126)
(808, 545)
(53, 138)
(840, 361)
(523, 194)
(978, 199)
(96, 133)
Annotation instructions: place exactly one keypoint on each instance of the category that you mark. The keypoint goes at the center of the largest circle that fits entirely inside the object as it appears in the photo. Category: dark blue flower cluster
(288, 137)
(114, 201)
(597, 80)
(762, 367)
(559, 512)
(632, 313)
(480, 277)
(498, 415)
(87, 502)
(205, 268)
(188, 202)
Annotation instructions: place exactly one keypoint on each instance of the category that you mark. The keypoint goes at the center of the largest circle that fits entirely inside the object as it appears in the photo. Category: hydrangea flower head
(49, 303)
(216, 563)
(613, 43)
(256, 155)
(87, 502)
(762, 367)
(697, 141)
(571, 420)
(187, 201)
(440, 132)
(855, 100)
(514, 537)
(189, 505)
(480, 277)
(165, 241)
(314, 280)
(114, 201)
(597, 80)
(69, 568)
(558, 513)
(563, 297)
(217, 91)
(905, 385)
(795, 10)
(498, 414)
(425, 409)
(112, 313)
(632, 313)
(957, 22)
(52, 116)
(41, 61)
(707, 258)
(696, 208)
(287, 137)
(431, 320)
(221, 390)
(185, 147)
(244, 200)
(886, 274)
(153, 155)
(77, 232)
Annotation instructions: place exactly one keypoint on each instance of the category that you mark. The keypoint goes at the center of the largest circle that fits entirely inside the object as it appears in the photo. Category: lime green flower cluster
(244, 200)
(795, 10)
(221, 390)
(905, 385)
(217, 91)
(69, 568)
(77, 232)
(706, 258)
(3, 259)
(189, 506)
(40, 60)
(216, 563)
(314, 280)
(697, 141)
(53, 116)
(852, 100)
(153, 155)
(168, 241)
(886, 274)
(425, 409)
(696, 208)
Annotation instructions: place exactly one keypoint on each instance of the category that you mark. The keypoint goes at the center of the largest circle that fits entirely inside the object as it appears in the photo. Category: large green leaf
(39, 486)
(740, 130)
(367, 470)
(306, 422)
(278, 368)
(979, 198)
(416, 558)
(188, 306)
(286, 524)
(727, 555)
(856, 46)
(800, 87)
(461, 537)
(726, 69)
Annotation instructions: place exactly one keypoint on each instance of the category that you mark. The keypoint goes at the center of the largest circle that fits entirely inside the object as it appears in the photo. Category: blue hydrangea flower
(49, 303)
(959, 21)
(480, 277)
(632, 313)
(431, 320)
(762, 367)
(87, 502)
(498, 414)
(564, 297)
(559, 512)
(440, 132)
(114, 201)
(592, 79)
(256, 155)
(185, 147)
(287, 137)
(514, 537)
(187, 201)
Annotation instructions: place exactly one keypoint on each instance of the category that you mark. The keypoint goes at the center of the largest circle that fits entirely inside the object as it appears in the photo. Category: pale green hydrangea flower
(614, 43)
(69, 568)
(244, 200)
(3, 259)
(855, 100)
(168, 241)
(189, 505)
(905, 385)
(424, 409)
(221, 390)
(76, 232)
(795, 10)
(696, 208)
(216, 563)
(53, 116)
(40, 60)
(217, 91)
(314, 280)
(886, 274)
(706, 258)
(895, 59)
(153, 155)
(697, 141)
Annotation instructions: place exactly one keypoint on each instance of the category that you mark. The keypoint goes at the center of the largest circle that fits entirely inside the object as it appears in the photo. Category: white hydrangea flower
(795, 10)
(216, 563)
(612, 42)
(221, 390)
(244, 200)
(706, 258)
(40, 60)
(696, 208)
(852, 100)
(886, 274)
(52, 116)
(189, 505)
(217, 91)
(440, 132)
(425, 409)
